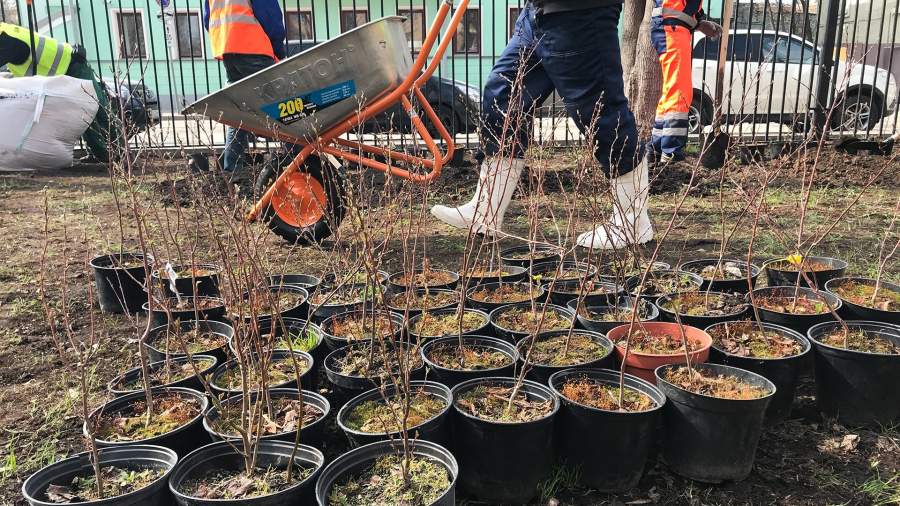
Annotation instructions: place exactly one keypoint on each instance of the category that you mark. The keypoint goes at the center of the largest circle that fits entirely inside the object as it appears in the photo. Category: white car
(772, 77)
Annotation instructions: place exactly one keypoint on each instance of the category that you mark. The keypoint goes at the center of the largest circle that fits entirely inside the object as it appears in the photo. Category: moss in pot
(171, 372)
(516, 321)
(422, 299)
(659, 283)
(702, 308)
(861, 301)
(360, 325)
(490, 296)
(448, 322)
(549, 352)
(279, 372)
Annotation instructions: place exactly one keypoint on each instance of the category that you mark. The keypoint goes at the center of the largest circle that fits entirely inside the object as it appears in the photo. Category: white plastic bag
(41, 119)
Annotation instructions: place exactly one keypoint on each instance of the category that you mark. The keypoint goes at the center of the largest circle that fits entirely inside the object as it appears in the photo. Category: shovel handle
(723, 54)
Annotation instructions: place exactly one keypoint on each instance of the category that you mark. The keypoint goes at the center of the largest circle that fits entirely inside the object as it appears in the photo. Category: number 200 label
(290, 107)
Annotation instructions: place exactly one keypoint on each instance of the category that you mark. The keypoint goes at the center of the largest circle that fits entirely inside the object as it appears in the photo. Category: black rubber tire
(332, 181)
(853, 98)
(701, 104)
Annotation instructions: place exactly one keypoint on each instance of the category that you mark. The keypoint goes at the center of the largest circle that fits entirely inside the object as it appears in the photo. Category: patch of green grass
(24, 307)
(563, 478)
(880, 491)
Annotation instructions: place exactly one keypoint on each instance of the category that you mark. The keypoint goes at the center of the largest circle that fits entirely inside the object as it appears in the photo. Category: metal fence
(786, 60)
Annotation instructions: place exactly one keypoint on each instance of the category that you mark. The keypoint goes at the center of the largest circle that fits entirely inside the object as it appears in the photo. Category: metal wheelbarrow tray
(313, 98)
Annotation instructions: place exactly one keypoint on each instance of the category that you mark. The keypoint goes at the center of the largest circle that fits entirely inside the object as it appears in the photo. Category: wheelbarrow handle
(448, 37)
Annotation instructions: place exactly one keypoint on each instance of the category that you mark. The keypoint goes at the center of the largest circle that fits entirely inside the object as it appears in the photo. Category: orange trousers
(670, 128)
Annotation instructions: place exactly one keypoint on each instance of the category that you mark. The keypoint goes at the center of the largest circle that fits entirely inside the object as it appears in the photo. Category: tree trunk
(640, 64)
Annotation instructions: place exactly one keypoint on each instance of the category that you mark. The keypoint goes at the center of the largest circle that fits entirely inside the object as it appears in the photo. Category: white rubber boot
(630, 222)
(484, 213)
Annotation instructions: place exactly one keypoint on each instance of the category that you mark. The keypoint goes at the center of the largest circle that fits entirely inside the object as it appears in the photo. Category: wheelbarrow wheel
(309, 205)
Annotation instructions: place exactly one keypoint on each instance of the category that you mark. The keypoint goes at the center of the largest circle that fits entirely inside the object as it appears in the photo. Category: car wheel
(699, 114)
(309, 206)
(857, 112)
(449, 119)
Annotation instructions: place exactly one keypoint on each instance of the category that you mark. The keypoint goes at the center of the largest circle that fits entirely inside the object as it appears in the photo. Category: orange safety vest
(233, 28)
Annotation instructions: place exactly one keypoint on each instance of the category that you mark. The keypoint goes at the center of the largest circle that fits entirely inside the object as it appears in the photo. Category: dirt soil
(806, 460)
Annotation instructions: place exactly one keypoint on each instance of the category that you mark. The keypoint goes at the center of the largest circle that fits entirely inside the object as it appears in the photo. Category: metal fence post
(825, 66)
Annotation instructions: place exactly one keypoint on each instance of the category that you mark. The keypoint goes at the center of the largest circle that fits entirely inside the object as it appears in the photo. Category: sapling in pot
(553, 351)
(516, 321)
(490, 296)
(794, 307)
(725, 275)
(423, 299)
(120, 281)
(172, 309)
(702, 308)
(806, 271)
(169, 372)
(660, 283)
(643, 347)
(188, 280)
(449, 322)
(206, 337)
(867, 299)
(360, 326)
(526, 255)
(452, 360)
(603, 318)
(290, 411)
(426, 277)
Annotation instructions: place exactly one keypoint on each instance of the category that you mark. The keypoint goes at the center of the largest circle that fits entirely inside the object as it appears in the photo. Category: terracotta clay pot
(642, 365)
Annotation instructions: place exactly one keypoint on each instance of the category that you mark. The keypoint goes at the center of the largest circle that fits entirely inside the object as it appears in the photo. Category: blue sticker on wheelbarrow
(296, 108)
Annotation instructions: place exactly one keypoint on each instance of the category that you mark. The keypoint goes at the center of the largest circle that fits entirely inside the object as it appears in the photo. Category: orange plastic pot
(642, 365)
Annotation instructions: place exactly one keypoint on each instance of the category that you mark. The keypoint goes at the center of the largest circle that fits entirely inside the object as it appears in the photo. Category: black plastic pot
(156, 345)
(541, 372)
(857, 312)
(632, 283)
(318, 351)
(856, 387)
(543, 273)
(397, 302)
(537, 294)
(624, 439)
(603, 327)
(503, 462)
(778, 277)
(782, 372)
(182, 440)
(484, 330)
(331, 279)
(436, 429)
(700, 322)
(513, 274)
(191, 382)
(541, 254)
(452, 377)
(621, 277)
(306, 378)
(207, 286)
(159, 317)
(120, 290)
(563, 292)
(359, 459)
(321, 312)
(513, 336)
(345, 387)
(334, 342)
(395, 286)
(309, 282)
(309, 434)
(222, 455)
(800, 323)
(708, 439)
(135, 457)
(299, 310)
(723, 285)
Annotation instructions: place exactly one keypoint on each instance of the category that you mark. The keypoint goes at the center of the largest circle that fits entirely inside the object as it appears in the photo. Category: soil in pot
(423, 278)
(201, 303)
(861, 295)
(423, 300)
(187, 271)
(551, 350)
(166, 372)
(346, 294)
(801, 305)
(532, 320)
(447, 324)
(360, 361)
(117, 481)
(746, 339)
(589, 287)
(807, 265)
(704, 303)
(357, 326)
(296, 339)
(278, 372)
(524, 256)
(503, 293)
(660, 283)
(385, 416)
(492, 403)
(235, 484)
(286, 416)
(267, 302)
(720, 386)
(728, 270)
(196, 340)
(860, 340)
(614, 314)
(383, 483)
(468, 357)
(600, 395)
(170, 411)
(643, 341)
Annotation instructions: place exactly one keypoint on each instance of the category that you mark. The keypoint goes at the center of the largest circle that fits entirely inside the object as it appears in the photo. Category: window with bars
(468, 33)
(513, 16)
(299, 25)
(351, 18)
(189, 35)
(130, 26)
(414, 26)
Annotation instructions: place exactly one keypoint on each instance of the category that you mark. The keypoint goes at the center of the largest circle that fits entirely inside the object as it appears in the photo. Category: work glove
(710, 29)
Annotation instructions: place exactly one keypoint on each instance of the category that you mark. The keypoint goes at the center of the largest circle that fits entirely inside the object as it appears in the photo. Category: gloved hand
(710, 29)
(79, 53)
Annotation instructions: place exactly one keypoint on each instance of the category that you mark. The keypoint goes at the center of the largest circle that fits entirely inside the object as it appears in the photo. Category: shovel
(716, 143)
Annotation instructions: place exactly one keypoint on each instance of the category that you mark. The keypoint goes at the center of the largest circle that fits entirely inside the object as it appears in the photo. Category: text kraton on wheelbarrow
(314, 97)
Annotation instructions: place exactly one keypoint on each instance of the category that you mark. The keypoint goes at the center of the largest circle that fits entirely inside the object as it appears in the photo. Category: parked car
(772, 77)
(139, 103)
(456, 103)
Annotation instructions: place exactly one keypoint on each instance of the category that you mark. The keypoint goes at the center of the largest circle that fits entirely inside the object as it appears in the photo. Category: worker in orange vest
(672, 24)
(248, 36)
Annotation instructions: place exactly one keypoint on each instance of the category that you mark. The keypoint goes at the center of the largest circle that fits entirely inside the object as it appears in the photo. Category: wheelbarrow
(314, 98)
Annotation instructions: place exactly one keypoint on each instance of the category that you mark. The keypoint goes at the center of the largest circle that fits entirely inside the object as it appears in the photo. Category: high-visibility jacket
(235, 29)
(671, 27)
(53, 56)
